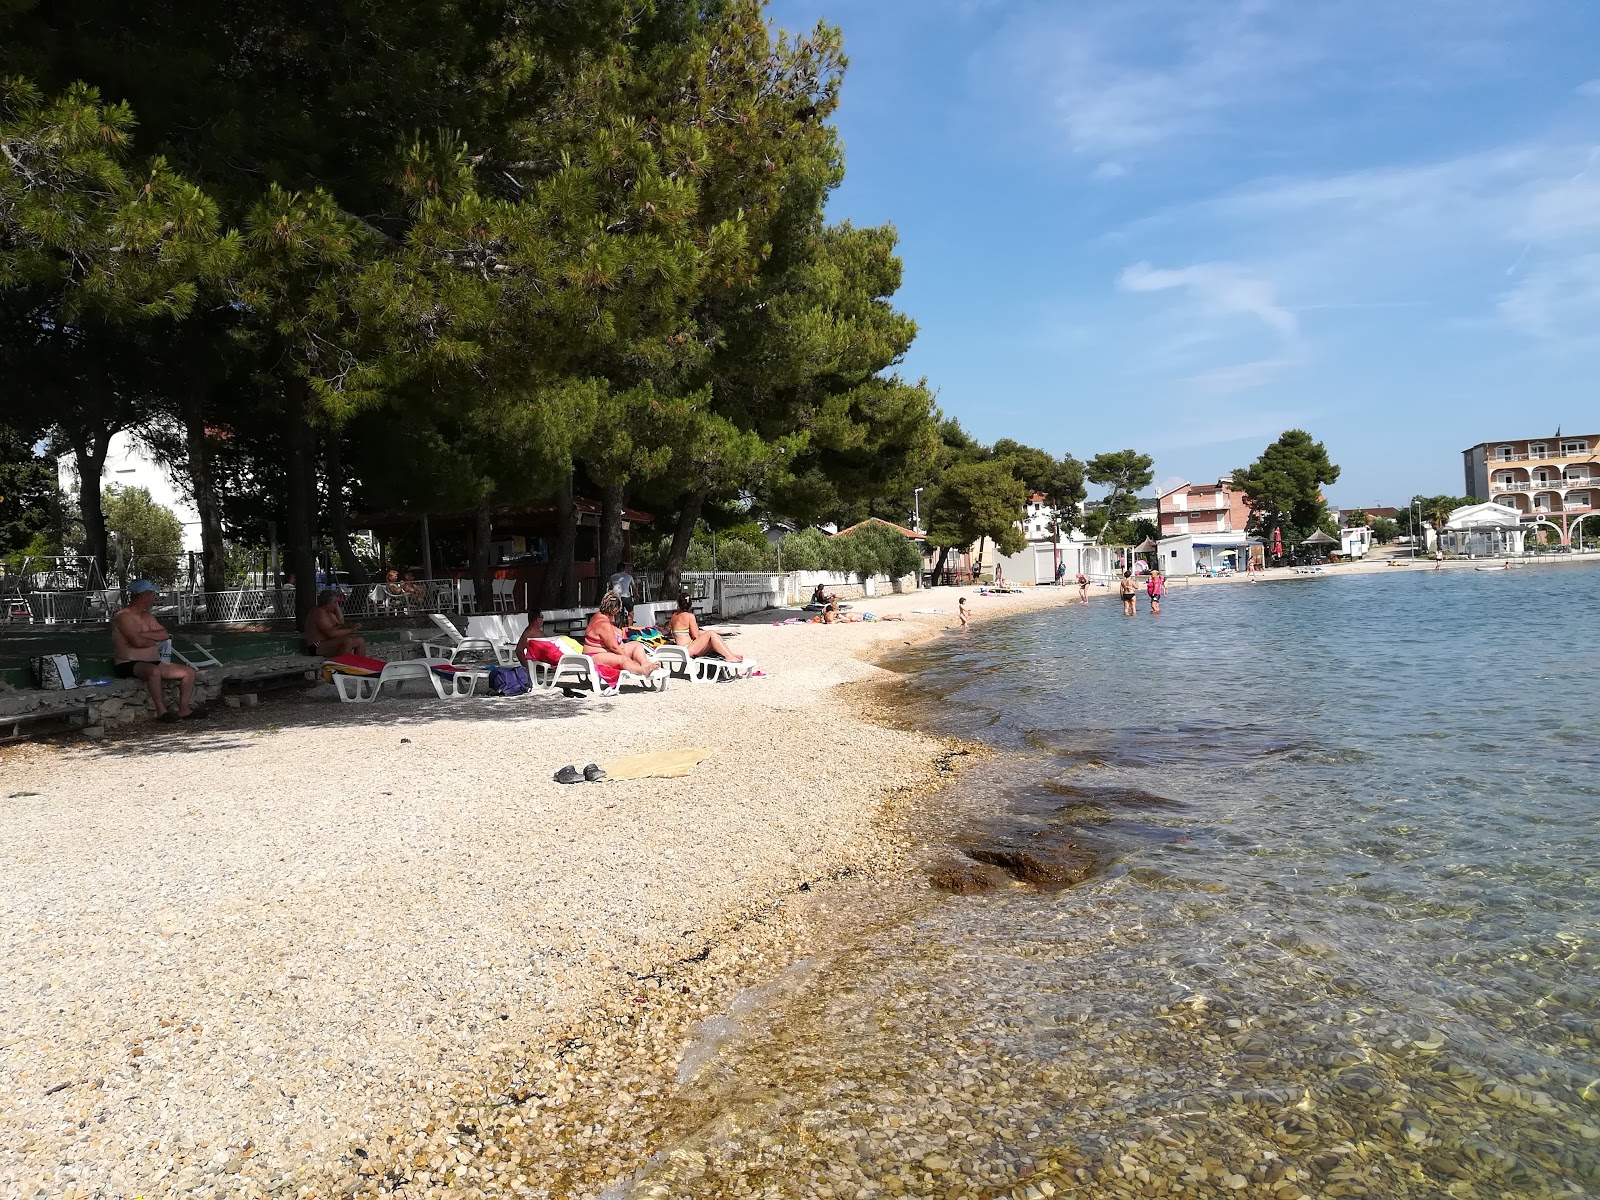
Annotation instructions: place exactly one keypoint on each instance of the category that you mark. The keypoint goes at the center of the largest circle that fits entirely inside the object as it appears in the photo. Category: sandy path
(231, 951)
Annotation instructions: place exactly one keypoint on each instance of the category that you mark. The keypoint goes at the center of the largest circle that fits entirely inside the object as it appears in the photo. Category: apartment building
(1550, 481)
(1202, 508)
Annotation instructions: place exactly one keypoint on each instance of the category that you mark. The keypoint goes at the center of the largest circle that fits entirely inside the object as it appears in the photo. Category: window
(1506, 480)
(1503, 453)
(1577, 499)
(1180, 524)
(1538, 450)
(1542, 475)
(1574, 447)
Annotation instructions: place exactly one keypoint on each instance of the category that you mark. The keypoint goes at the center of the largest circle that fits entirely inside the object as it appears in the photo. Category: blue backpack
(509, 681)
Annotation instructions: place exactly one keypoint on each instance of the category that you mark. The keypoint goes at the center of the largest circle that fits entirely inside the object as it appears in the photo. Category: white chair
(493, 630)
(455, 644)
(364, 689)
(503, 589)
(577, 672)
(466, 596)
(675, 659)
(710, 669)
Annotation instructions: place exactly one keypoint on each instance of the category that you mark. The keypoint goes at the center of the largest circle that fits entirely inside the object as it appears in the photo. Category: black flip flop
(568, 774)
(593, 773)
(169, 718)
(195, 714)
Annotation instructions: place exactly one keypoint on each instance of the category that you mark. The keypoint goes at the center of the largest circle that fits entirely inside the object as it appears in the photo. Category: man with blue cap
(136, 639)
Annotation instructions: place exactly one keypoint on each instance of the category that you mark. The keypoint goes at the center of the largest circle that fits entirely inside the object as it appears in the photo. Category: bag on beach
(55, 672)
(509, 681)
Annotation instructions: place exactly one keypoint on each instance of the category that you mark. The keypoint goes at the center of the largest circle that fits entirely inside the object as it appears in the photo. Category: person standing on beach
(1129, 591)
(1083, 588)
(963, 611)
(1156, 587)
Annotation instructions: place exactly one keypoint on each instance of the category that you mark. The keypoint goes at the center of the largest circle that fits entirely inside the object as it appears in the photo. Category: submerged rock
(967, 878)
(1047, 859)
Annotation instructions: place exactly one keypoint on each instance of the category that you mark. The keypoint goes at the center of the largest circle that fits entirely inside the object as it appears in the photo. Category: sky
(1185, 226)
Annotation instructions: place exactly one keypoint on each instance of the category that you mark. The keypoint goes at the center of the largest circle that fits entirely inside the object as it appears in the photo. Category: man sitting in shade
(326, 631)
(136, 640)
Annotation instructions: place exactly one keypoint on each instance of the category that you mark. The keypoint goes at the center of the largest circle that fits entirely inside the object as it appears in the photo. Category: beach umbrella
(1147, 544)
(1320, 539)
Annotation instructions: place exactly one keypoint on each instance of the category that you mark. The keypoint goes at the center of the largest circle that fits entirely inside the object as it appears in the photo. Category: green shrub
(808, 550)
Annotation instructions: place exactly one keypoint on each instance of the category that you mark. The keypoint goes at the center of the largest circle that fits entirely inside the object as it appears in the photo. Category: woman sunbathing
(603, 643)
(685, 631)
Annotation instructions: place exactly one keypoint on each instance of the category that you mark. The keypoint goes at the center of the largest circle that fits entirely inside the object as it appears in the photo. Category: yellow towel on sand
(658, 764)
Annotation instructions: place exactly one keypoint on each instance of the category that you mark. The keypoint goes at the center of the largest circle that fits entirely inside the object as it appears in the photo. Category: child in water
(963, 611)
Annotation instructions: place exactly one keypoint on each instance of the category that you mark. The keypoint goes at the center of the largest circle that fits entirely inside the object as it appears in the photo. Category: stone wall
(127, 701)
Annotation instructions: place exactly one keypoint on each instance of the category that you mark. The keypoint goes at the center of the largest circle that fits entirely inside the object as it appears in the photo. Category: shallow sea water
(1345, 944)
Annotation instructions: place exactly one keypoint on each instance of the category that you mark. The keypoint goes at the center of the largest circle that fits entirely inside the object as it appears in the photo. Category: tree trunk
(612, 496)
(559, 577)
(482, 531)
(299, 533)
(90, 454)
(202, 483)
(938, 566)
(338, 527)
(682, 536)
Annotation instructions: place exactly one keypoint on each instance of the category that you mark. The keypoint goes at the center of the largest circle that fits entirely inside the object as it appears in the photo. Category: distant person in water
(685, 631)
(326, 631)
(1083, 587)
(963, 611)
(1156, 587)
(1129, 591)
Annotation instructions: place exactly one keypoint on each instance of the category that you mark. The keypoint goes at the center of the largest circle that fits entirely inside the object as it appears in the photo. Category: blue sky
(1187, 225)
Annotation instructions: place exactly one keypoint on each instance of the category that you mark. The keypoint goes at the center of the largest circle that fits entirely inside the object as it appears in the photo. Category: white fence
(733, 594)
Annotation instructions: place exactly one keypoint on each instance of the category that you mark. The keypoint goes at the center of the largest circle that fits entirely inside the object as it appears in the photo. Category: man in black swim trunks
(136, 639)
(326, 632)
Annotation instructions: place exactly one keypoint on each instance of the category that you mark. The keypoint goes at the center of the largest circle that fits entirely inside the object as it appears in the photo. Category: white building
(127, 465)
(1206, 553)
(1355, 541)
(1036, 562)
(1486, 530)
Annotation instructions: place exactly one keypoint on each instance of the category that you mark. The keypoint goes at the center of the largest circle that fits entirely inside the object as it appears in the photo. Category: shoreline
(252, 1027)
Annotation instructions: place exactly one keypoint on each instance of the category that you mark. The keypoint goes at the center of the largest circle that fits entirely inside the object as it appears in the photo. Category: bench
(11, 726)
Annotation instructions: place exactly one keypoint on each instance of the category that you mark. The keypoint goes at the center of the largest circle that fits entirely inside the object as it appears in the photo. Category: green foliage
(1284, 488)
(1123, 473)
(978, 500)
(146, 538)
(1436, 510)
(1385, 529)
(875, 549)
(29, 495)
(809, 550)
(1060, 481)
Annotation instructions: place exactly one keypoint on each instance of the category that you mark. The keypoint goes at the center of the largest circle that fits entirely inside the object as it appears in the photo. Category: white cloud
(1122, 78)
(1220, 288)
(1557, 301)
(1591, 88)
(1241, 377)
(1108, 170)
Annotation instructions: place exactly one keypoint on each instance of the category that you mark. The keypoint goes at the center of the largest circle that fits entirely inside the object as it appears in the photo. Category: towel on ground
(657, 764)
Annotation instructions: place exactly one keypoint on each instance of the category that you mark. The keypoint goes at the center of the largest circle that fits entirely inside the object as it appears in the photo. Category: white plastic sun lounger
(577, 672)
(364, 689)
(710, 669)
(457, 644)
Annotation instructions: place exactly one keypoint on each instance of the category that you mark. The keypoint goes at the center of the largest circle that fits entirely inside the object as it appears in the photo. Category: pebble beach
(283, 950)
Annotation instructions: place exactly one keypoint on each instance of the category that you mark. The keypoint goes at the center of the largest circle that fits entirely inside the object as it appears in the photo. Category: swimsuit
(124, 670)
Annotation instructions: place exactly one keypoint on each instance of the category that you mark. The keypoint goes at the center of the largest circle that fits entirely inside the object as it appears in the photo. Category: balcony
(1548, 455)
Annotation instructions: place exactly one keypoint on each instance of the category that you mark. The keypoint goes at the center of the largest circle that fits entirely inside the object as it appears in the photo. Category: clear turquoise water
(1346, 943)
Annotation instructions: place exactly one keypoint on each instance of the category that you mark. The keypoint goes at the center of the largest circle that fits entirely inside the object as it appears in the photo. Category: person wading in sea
(1129, 591)
(1156, 587)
